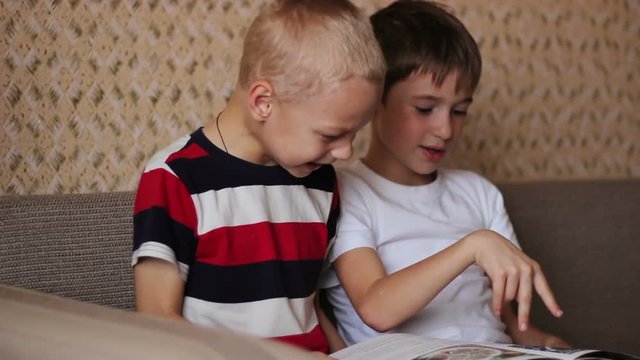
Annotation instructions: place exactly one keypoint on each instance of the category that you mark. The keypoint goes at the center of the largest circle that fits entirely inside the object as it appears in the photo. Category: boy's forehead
(347, 103)
(343, 90)
(349, 83)
(429, 81)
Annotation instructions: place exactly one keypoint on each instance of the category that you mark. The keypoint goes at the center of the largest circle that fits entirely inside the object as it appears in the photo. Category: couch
(583, 233)
(36, 325)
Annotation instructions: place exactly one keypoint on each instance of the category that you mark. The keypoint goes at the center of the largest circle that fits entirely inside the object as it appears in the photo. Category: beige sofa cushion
(39, 326)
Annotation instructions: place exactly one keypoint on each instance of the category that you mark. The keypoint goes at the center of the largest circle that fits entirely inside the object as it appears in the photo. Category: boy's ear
(260, 100)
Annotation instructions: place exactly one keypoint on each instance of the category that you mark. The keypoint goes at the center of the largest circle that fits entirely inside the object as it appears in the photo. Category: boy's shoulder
(159, 158)
(356, 180)
(461, 174)
(466, 179)
(354, 172)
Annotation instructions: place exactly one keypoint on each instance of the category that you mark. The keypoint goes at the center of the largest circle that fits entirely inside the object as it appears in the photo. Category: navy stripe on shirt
(253, 282)
(155, 224)
(220, 172)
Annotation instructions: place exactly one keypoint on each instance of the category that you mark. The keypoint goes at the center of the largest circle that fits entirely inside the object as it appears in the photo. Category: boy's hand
(513, 275)
(531, 336)
(555, 342)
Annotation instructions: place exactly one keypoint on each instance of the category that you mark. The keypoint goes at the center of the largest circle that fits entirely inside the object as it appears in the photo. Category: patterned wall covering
(90, 89)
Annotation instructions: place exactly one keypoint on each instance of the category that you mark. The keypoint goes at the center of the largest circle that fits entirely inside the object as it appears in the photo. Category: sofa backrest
(77, 246)
(586, 236)
(583, 233)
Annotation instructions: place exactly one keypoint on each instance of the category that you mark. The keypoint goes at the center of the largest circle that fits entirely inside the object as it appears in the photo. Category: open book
(413, 347)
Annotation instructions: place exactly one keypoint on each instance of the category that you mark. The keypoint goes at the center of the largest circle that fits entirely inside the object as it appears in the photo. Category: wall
(90, 89)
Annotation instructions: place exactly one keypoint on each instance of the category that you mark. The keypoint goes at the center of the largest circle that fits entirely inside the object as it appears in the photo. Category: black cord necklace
(219, 132)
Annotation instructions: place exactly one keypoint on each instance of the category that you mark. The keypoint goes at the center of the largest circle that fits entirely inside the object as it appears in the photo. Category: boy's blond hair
(301, 46)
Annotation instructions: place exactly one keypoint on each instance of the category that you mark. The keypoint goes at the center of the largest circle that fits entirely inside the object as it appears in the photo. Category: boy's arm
(159, 288)
(335, 340)
(531, 336)
(384, 301)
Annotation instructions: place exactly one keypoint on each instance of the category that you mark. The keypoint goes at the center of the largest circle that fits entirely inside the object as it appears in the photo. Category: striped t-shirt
(248, 240)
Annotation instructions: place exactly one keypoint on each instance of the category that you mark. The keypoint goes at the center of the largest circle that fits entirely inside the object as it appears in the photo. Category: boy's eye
(459, 112)
(424, 110)
(329, 138)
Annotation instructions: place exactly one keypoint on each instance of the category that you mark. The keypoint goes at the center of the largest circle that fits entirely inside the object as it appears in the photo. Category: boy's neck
(231, 131)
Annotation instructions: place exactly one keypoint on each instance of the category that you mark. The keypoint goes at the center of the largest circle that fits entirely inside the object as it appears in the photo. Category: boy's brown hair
(300, 46)
(423, 37)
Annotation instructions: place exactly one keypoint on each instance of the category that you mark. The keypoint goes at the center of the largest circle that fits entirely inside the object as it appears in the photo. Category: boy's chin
(428, 173)
(425, 169)
(301, 171)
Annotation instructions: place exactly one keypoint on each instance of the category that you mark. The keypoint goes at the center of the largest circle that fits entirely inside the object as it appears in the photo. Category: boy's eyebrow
(333, 130)
(436, 98)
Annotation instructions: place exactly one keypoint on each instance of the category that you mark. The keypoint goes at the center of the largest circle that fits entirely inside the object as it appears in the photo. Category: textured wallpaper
(90, 89)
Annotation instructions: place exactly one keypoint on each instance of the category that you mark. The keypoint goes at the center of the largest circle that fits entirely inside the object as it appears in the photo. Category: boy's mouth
(312, 166)
(434, 153)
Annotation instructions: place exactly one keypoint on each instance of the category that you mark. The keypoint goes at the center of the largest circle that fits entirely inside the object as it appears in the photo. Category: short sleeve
(354, 229)
(355, 225)
(164, 220)
(496, 214)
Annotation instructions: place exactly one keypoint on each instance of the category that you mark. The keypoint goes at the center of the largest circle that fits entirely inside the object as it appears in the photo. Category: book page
(413, 347)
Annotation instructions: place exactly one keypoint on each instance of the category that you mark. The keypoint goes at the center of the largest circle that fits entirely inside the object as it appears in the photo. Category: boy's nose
(443, 128)
(343, 152)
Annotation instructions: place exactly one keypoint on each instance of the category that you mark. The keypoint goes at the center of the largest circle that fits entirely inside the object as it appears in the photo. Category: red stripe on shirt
(192, 151)
(252, 243)
(315, 340)
(335, 200)
(160, 188)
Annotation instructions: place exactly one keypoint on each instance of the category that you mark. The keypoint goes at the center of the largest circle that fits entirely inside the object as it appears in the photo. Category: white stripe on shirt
(282, 203)
(264, 318)
(159, 159)
(159, 251)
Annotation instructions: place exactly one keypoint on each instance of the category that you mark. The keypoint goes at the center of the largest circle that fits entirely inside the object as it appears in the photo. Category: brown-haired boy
(420, 248)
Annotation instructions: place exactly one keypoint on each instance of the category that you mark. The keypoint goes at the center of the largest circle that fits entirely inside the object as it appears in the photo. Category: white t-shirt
(406, 224)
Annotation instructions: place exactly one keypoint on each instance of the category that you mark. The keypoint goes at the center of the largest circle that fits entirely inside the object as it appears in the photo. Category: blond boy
(232, 222)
